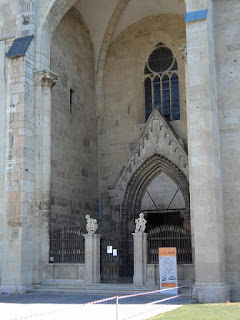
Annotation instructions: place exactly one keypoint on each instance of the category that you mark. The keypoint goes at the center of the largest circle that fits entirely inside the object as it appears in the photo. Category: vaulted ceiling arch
(116, 17)
(50, 17)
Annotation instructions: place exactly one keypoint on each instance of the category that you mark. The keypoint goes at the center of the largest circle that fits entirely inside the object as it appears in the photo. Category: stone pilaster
(2, 147)
(140, 258)
(204, 162)
(44, 82)
(92, 258)
(18, 242)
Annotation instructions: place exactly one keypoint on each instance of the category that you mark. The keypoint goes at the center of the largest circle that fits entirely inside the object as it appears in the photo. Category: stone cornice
(45, 78)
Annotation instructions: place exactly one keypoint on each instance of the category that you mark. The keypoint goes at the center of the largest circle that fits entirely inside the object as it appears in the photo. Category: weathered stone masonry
(56, 163)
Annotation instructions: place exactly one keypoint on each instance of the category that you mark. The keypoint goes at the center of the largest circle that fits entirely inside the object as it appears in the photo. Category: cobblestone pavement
(59, 306)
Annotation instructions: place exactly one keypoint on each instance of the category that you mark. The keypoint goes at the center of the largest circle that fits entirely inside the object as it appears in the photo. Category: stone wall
(185, 274)
(19, 234)
(227, 44)
(213, 104)
(124, 115)
(8, 13)
(74, 185)
(61, 273)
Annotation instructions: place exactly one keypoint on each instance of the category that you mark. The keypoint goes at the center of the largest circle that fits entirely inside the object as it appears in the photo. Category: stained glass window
(162, 83)
(148, 97)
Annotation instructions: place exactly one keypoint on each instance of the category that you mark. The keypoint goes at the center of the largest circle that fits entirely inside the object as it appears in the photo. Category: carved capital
(183, 53)
(45, 78)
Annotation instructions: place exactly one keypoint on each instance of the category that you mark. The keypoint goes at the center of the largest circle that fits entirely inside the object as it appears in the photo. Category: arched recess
(122, 4)
(53, 14)
(131, 205)
(72, 117)
(143, 177)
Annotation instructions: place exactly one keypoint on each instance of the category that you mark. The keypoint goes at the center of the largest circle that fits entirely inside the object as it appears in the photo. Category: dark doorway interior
(154, 218)
(162, 217)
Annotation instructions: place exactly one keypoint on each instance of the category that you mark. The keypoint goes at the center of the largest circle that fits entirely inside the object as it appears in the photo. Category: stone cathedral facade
(112, 108)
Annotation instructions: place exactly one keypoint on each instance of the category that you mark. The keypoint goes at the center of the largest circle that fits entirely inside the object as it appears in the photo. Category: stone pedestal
(140, 258)
(92, 258)
(211, 292)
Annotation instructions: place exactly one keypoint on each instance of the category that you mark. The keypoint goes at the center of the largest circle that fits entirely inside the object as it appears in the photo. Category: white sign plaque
(109, 249)
(168, 270)
(115, 252)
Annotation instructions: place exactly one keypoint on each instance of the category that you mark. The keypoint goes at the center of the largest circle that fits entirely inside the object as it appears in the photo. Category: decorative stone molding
(158, 140)
(183, 53)
(45, 78)
(144, 175)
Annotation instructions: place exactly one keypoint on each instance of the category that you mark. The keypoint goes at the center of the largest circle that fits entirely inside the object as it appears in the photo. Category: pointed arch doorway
(161, 190)
(163, 203)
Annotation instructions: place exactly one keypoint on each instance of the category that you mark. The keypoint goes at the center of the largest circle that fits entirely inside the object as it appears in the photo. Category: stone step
(99, 289)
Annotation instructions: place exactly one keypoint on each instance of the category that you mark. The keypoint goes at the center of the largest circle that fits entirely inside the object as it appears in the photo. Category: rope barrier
(134, 295)
(117, 298)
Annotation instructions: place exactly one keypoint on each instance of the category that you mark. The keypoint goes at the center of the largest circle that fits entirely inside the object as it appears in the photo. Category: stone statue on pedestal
(140, 223)
(91, 224)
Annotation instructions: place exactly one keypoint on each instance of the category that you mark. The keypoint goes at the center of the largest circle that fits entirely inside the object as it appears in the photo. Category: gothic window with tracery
(161, 83)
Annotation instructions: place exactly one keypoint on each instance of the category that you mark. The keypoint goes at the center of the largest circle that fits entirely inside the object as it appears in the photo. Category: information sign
(109, 249)
(168, 270)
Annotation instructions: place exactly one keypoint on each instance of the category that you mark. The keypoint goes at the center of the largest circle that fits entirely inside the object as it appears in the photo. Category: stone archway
(144, 175)
(131, 206)
(51, 18)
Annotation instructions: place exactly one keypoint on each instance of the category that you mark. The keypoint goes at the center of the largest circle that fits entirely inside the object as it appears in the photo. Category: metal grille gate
(170, 236)
(67, 245)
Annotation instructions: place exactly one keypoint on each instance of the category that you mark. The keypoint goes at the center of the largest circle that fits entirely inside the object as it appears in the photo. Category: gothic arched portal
(132, 202)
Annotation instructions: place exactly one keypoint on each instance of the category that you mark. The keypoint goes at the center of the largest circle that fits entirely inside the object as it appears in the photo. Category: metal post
(116, 307)
(190, 291)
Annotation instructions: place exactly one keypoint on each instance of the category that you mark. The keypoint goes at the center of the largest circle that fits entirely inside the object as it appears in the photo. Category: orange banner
(167, 252)
(168, 285)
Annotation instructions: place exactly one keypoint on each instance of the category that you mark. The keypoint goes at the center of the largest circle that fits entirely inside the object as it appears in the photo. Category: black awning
(19, 47)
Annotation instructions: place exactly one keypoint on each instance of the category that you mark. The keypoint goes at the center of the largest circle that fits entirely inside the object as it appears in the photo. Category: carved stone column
(92, 258)
(44, 82)
(140, 258)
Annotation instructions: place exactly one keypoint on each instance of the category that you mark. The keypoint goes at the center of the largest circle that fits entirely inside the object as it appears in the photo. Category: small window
(71, 101)
(162, 83)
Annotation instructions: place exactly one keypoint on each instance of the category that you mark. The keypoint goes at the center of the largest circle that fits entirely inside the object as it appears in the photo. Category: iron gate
(170, 236)
(67, 245)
